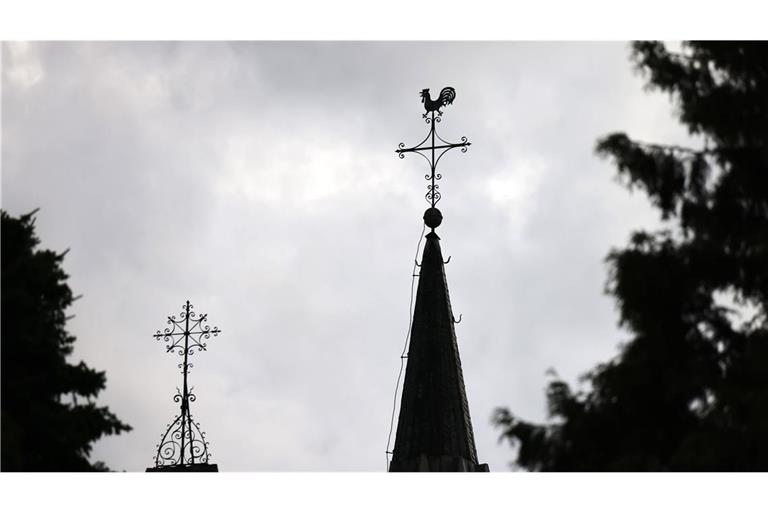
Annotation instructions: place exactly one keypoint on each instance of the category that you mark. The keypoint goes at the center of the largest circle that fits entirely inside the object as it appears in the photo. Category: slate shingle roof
(434, 430)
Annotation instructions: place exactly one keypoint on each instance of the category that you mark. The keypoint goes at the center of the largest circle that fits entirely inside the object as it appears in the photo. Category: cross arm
(425, 148)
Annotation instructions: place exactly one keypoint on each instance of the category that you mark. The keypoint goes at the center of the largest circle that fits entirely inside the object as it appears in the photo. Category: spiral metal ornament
(187, 333)
(179, 396)
(432, 196)
(433, 147)
(183, 444)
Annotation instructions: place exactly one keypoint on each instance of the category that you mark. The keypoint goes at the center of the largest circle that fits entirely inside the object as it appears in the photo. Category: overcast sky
(259, 181)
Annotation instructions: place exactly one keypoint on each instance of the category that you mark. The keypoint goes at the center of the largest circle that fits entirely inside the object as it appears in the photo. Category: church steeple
(434, 429)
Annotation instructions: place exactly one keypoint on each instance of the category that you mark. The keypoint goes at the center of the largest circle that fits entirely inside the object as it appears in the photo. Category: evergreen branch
(674, 148)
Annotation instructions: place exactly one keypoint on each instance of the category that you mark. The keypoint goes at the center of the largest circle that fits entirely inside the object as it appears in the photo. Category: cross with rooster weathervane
(432, 147)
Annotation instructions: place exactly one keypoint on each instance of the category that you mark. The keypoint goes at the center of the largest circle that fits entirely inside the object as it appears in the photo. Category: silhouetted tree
(689, 390)
(49, 420)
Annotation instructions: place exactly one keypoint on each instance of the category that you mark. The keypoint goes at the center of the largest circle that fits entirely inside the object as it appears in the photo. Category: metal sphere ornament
(433, 217)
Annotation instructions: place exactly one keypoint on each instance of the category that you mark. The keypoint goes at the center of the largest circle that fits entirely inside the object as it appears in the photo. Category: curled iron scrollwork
(179, 396)
(187, 333)
(183, 443)
(433, 195)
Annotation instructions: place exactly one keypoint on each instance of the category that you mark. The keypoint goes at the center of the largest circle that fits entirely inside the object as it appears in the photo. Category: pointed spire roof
(434, 430)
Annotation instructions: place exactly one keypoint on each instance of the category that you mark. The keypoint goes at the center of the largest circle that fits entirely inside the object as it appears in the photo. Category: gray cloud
(259, 180)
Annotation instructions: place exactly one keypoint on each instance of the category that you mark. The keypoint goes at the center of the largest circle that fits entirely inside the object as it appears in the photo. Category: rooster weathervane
(428, 146)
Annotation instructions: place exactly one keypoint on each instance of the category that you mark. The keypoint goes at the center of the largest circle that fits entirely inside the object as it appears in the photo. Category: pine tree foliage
(689, 390)
(49, 418)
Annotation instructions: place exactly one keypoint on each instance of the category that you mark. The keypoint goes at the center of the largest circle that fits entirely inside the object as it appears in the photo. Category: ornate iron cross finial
(183, 442)
(433, 115)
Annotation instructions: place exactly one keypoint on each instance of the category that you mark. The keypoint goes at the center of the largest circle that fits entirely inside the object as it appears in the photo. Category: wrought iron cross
(183, 442)
(431, 145)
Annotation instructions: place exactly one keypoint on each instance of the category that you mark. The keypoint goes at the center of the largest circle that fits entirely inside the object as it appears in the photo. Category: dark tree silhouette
(689, 390)
(49, 420)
